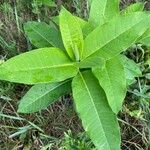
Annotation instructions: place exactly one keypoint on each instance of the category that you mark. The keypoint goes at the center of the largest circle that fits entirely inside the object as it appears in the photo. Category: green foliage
(71, 34)
(102, 11)
(42, 35)
(132, 70)
(77, 142)
(112, 79)
(97, 117)
(36, 67)
(47, 93)
(107, 41)
(36, 4)
(89, 45)
(134, 7)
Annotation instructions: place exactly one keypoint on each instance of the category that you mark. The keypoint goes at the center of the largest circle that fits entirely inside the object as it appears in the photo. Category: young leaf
(116, 36)
(81, 22)
(84, 25)
(71, 34)
(38, 66)
(139, 6)
(103, 10)
(42, 95)
(42, 35)
(113, 81)
(132, 70)
(97, 118)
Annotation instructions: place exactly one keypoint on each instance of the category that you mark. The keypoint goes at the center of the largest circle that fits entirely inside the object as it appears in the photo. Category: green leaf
(71, 34)
(81, 21)
(42, 95)
(103, 10)
(113, 81)
(97, 118)
(92, 62)
(116, 36)
(84, 25)
(145, 38)
(38, 66)
(132, 70)
(42, 35)
(139, 6)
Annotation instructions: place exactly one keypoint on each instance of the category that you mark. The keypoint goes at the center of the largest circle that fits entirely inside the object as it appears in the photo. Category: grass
(58, 127)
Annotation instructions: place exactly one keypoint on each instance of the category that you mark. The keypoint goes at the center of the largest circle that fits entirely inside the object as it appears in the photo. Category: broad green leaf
(71, 34)
(87, 29)
(84, 25)
(42, 95)
(103, 10)
(116, 36)
(42, 35)
(139, 6)
(81, 21)
(92, 62)
(113, 80)
(97, 118)
(132, 70)
(38, 66)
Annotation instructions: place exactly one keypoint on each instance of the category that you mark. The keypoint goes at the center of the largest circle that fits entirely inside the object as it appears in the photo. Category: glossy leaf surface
(113, 80)
(71, 34)
(97, 118)
(38, 66)
(132, 70)
(42, 95)
(116, 36)
(42, 35)
(103, 10)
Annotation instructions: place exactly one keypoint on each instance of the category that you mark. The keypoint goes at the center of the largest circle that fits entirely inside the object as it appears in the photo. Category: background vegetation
(58, 127)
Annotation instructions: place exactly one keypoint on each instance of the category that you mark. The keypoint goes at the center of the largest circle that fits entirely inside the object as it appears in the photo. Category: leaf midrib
(110, 83)
(45, 93)
(41, 68)
(50, 42)
(113, 38)
(93, 105)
